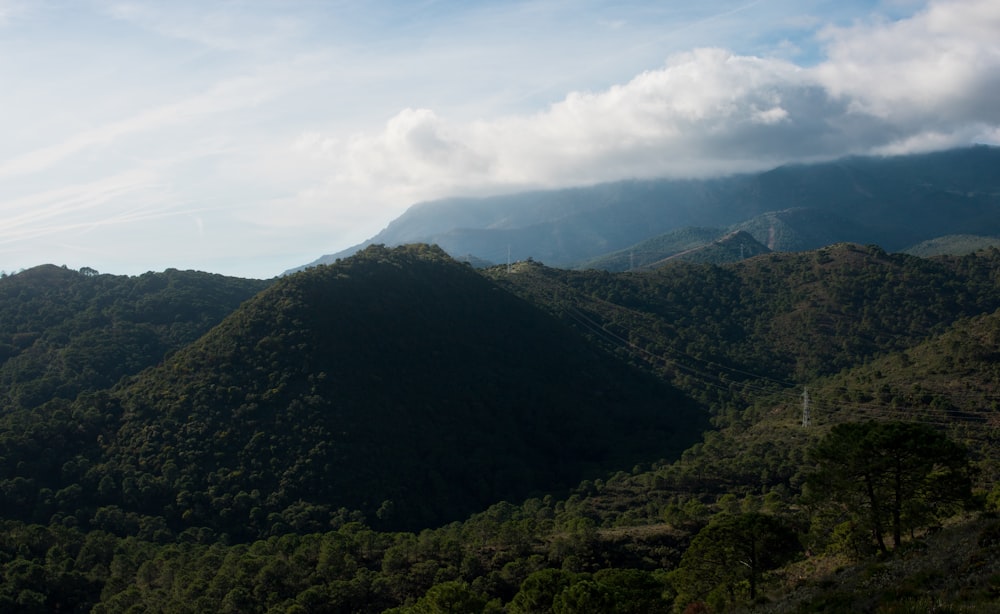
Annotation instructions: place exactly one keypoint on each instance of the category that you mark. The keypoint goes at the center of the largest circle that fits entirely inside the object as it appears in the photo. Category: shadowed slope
(398, 382)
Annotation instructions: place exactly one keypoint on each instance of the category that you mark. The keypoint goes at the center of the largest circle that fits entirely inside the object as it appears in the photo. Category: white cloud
(941, 65)
(684, 119)
(920, 83)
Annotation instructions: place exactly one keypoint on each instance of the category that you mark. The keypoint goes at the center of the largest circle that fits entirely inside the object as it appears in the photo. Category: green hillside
(952, 245)
(399, 383)
(787, 317)
(400, 432)
(64, 331)
(644, 254)
(731, 247)
(804, 228)
(704, 245)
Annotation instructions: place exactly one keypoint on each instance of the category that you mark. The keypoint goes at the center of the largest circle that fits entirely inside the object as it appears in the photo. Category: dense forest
(397, 431)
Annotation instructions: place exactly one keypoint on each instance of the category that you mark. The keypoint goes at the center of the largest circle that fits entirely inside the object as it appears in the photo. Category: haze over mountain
(306, 127)
(895, 202)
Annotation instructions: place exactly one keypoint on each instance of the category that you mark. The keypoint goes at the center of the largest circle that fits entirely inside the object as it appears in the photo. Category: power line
(814, 408)
(925, 414)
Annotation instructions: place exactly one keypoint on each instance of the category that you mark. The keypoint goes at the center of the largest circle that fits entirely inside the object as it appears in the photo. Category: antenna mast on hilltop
(508, 257)
(806, 418)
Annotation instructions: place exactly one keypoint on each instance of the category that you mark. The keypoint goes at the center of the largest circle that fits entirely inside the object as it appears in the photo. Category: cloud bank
(927, 82)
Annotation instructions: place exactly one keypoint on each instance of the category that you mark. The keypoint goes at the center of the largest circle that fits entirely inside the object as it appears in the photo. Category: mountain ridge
(404, 377)
(946, 192)
(64, 331)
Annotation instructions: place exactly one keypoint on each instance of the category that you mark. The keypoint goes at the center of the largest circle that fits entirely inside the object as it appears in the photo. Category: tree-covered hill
(642, 255)
(782, 316)
(731, 247)
(687, 244)
(64, 331)
(952, 376)
(399, 383)
(951, 380)
(258, 467)
(952, 245)
(805, 228)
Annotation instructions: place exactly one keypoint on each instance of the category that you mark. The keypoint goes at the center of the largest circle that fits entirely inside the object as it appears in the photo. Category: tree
(539, 591)
(734, 551)
(890, 477)
(634, 591)
(452, 597)
(583, 597)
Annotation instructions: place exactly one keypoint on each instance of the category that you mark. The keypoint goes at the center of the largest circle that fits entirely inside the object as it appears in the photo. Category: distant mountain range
(895, 202)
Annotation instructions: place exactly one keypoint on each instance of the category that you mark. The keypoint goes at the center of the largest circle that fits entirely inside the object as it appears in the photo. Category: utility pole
(806, 418)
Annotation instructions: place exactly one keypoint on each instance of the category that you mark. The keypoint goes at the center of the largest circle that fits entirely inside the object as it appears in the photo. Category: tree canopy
(277, 462)
(890, 478)
(728, 558)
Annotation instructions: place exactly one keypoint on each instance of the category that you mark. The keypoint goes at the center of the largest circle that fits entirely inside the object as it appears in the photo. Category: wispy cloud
(10, 9)
(213, 26)
(225, 97)
(73, 207)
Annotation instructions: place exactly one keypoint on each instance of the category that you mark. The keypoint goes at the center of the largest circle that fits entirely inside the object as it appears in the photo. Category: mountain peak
(376, 367)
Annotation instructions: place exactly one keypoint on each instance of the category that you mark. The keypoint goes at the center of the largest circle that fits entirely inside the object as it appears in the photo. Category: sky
(247, 137)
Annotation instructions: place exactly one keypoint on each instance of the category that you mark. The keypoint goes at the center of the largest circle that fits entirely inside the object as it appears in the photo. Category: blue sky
(249, 137)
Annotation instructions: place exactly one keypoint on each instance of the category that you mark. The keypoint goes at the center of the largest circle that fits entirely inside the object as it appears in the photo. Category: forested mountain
(957, 245)
(401, 384)
(787, 317)
(399, 431)
(63, 331)
(688, 244)
(895, 202)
